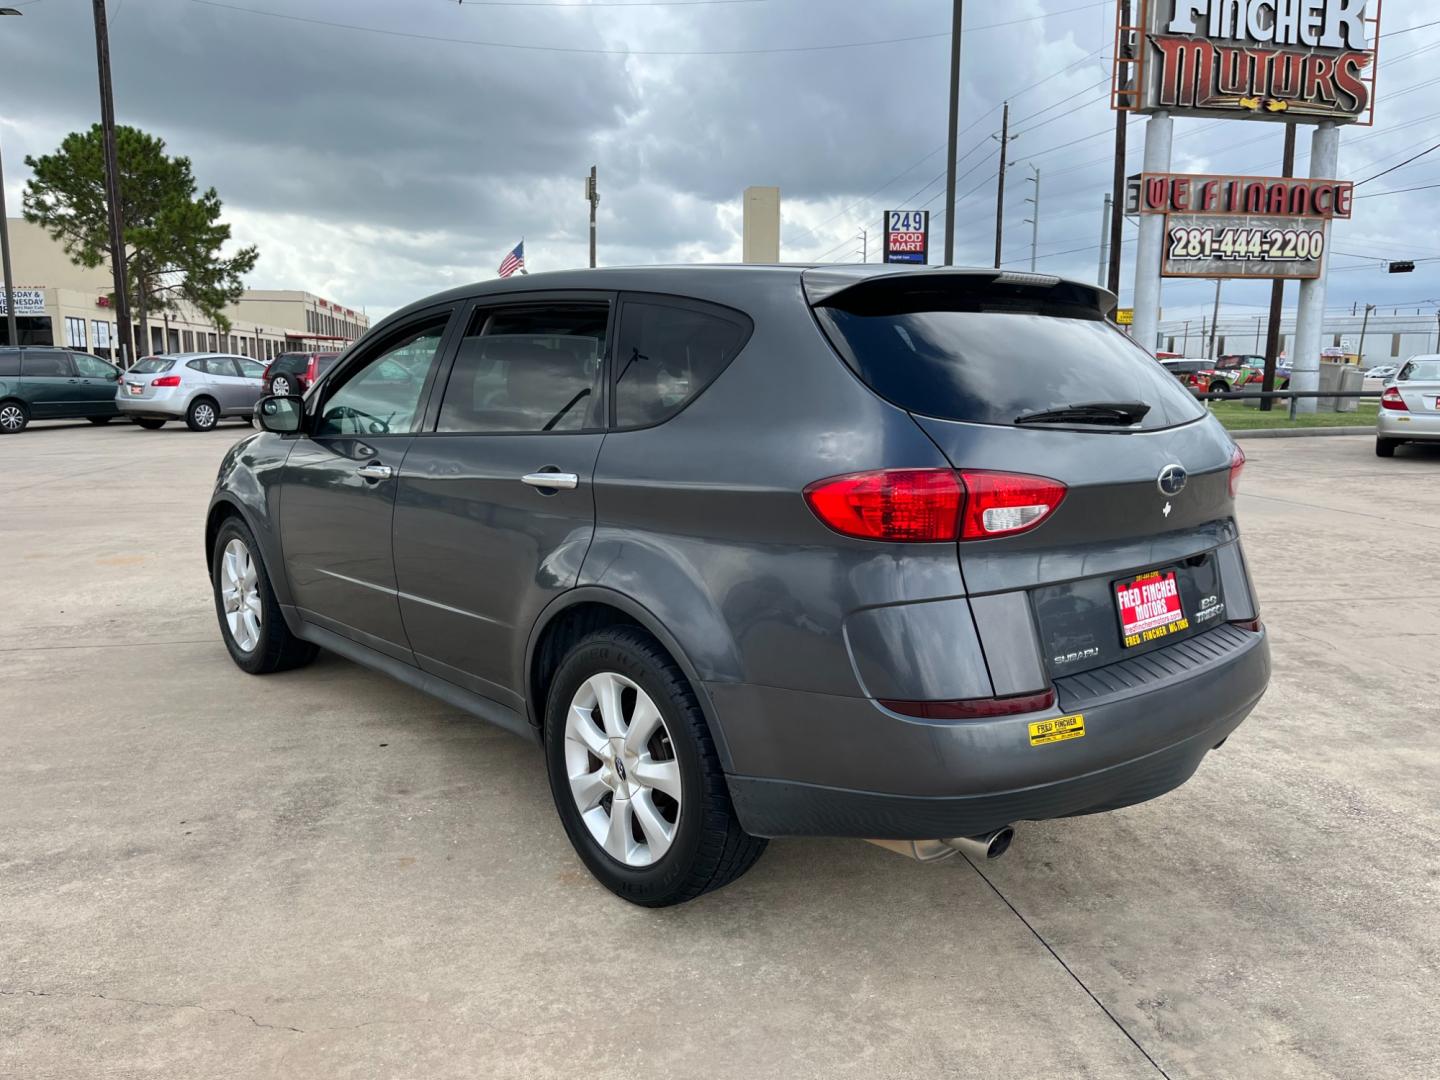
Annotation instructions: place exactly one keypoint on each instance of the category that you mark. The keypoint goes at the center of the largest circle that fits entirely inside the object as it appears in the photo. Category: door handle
(376, 472)
(560, 481)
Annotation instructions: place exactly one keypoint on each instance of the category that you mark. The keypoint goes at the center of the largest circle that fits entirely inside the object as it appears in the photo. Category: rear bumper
(163, 404)
(1148, 726)
(1394, 424)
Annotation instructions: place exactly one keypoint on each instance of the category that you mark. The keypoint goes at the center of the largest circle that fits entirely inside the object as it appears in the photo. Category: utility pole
(1117, 184)
(125, 347)
(864, 245)
(1004, 137)
(1215, 320)
(956, 19)
(13, 340)
(592, 194)
(1035, 221)
(1101, 275)
(1364, 325)
(1185, 346)
(1277, 295)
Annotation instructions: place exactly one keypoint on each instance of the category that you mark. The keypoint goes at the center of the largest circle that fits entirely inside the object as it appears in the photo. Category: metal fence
(1291, 395)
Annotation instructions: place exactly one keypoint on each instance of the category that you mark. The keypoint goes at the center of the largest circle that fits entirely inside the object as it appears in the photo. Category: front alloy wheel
(240, 595)
(622, 769)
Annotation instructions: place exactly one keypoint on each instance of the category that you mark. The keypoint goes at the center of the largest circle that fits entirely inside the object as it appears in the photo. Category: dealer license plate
(135, 391)
(1150, 608)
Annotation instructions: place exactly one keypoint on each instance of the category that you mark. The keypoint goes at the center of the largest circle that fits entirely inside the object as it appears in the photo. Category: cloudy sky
(380, 150)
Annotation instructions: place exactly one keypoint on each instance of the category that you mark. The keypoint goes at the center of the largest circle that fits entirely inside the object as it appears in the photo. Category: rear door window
(531, 369)
(990, 354)
(667, 352)
(38, 365)
(9, 364)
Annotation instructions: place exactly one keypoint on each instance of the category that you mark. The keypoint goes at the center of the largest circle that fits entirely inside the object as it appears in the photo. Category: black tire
(1219, 387)
(282, 386)
(277, 649)
(203, 414)
(709, 850)
(98, 420)
(14, 417)
(149, 423)
(1385, 447)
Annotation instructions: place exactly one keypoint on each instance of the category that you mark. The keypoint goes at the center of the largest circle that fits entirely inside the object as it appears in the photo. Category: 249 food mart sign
(1241, 226)
(1296, 60)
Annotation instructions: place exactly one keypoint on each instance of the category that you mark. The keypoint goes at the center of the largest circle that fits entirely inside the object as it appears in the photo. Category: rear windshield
(152, 365)
(290, 361)
(1420, 371)
(956, 355)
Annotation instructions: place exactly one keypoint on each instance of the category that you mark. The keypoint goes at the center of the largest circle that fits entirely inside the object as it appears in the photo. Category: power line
(577, 50)
(1402, 164)
(1398, 191)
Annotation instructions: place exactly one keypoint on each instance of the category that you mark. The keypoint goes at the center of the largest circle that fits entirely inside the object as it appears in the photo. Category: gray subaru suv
(764, 551)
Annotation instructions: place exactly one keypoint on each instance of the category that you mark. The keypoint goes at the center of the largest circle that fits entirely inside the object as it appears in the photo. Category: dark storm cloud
(378, 167)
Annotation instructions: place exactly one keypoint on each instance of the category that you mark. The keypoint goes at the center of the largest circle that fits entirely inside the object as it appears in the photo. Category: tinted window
(42, 364)
(960, 353)
(666, 354)
(152, 365)
(92, 368)
(527, 370)
(9, 364)
(289, 362)
(382, 396)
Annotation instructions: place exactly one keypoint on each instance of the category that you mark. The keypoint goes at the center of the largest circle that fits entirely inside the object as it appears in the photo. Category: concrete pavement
(324, 874)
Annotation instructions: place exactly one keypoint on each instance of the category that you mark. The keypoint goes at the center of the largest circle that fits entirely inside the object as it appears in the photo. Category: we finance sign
(1295, 60)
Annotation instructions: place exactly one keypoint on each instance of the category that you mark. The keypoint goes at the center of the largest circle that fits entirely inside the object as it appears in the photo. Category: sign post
(907, 236)
(1312, 62)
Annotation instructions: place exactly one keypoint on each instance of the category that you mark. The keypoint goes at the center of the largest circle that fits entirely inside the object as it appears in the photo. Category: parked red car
(296, 372)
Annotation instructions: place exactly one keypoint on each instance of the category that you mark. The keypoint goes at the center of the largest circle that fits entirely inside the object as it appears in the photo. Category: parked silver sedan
(199, 388)
(1410, 406)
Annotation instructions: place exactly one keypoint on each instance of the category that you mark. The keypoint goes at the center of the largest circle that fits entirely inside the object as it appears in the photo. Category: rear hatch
(992, 366)
(136, 383)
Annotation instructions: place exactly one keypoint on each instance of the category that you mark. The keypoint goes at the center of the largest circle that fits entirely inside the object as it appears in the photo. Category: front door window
(383, 397)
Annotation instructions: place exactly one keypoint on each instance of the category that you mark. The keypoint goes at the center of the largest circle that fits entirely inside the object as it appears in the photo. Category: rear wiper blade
(1093, 412)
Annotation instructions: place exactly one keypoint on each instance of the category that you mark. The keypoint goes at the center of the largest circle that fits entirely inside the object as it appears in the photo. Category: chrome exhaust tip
(990, 845)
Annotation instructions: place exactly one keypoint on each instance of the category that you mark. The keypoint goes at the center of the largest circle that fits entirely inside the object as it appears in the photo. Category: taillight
(1237, 463)
(973, 708)
(310, 367)
(905, 505)
(933, 505)
(1391, 399)
(1002, 504)
(166, 380)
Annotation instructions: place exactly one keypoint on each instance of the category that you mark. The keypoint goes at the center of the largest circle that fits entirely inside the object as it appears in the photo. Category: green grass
(1237, 416)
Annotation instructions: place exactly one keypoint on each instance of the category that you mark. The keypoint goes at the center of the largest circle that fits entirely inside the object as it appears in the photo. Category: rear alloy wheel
(97, 420)
(254, 630)
(280, 386)
(149, 423)
(203, 415)
(635, 776)
(13, 417)
(1385, 447)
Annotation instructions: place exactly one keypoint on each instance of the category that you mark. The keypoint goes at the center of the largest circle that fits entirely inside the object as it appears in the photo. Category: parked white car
(1410, 406)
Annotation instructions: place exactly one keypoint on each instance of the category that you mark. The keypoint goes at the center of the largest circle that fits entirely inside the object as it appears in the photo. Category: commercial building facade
(60, 303)
(1389, 337)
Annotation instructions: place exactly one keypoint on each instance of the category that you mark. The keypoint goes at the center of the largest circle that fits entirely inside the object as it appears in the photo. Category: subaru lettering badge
(1172, 480)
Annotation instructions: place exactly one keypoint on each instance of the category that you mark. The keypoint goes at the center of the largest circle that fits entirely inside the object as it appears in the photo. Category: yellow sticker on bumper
(1057, 730)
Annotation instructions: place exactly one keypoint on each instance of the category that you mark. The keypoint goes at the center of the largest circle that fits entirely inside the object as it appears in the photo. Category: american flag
(514, 261)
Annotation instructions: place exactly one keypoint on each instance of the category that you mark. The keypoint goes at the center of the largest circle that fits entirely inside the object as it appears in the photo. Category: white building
(1391, 334)
(59, 303)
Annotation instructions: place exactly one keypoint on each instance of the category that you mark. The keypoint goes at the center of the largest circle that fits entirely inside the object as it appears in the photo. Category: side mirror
(281, 415)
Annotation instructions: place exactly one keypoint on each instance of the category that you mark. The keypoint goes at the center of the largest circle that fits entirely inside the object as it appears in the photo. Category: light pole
(957, 17)
(1364, 325)
(13, 338)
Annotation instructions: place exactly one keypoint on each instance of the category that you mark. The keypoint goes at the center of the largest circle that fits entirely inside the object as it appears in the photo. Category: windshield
(1420, 371)
(953, 358)
(152, 365)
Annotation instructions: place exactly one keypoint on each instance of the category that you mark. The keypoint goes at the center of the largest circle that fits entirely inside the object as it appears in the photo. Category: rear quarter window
(667, 352)
(989, 359)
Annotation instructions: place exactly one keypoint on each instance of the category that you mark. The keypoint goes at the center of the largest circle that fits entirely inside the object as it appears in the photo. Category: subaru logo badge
(1172, 480)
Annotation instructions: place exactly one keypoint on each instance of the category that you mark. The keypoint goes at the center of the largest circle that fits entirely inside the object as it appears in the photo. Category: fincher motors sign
(1296, 60)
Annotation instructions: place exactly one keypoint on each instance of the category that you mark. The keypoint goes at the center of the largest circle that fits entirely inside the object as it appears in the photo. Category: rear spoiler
(828, 285)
